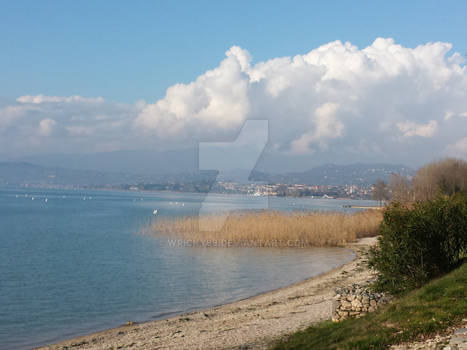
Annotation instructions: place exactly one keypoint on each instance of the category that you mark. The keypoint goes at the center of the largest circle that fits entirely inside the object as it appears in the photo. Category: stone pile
(355, 301)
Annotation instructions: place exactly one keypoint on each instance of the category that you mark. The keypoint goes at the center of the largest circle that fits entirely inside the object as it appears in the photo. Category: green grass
(425, 311)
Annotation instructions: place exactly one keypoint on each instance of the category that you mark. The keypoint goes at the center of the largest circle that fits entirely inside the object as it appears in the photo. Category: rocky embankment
(355, 301)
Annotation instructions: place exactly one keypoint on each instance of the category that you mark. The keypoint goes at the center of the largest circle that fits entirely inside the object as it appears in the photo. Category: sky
(338, 81)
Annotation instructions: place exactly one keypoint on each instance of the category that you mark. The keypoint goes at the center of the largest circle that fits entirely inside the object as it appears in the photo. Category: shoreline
(253, 323)
(38, 189)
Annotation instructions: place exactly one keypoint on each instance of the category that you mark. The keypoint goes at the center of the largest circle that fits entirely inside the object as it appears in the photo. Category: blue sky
(338, 81)
(131, 50)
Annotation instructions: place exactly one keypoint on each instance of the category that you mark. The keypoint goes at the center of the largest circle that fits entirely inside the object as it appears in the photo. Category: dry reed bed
(271, 228)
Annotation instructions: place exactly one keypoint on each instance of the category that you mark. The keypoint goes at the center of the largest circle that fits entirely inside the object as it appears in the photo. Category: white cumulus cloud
(414, 129)
(70, 124)
(325, 126)
(335, 103)
(458, 149)
(57, 99)
(217, 100)
(336, 99)
(46, 126)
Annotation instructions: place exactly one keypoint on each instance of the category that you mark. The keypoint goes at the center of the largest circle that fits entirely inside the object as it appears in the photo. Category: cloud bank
(336, 103)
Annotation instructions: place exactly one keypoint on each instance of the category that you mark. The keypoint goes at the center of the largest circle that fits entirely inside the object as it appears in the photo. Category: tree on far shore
(400, 188)
(380, 191)
(447, 176)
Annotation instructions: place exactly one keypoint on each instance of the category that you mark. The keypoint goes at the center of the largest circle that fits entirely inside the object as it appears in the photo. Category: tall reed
(272, 228)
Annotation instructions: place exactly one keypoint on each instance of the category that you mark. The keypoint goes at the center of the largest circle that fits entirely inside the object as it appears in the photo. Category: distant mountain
(333, 174)
(182, 165)
(21, 173)
(13, 174)
(131, 162)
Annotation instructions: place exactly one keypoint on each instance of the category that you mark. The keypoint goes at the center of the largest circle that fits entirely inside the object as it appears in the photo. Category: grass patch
(422, 312)
(273, 228)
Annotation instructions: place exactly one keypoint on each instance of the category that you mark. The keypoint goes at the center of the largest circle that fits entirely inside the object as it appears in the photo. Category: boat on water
(154, 212)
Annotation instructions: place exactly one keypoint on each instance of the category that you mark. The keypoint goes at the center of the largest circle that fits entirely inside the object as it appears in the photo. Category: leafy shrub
(420, 242)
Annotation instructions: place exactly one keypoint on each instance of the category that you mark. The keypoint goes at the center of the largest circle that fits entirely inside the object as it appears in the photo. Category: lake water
(76, 263)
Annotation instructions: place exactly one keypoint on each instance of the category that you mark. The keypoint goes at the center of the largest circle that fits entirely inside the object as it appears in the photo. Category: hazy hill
(182, 165)
(131, 162)
(20, 173)
(333, 174)
(13, 174)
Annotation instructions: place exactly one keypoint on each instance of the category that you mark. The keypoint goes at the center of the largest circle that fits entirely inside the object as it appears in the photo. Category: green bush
(420, 242)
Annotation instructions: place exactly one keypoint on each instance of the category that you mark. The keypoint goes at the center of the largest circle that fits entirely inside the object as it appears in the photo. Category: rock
(461, 331)
(355, 301)
(345, 305)
(356, 304)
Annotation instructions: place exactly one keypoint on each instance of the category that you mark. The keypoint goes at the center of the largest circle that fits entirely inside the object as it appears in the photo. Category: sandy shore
(253, 323)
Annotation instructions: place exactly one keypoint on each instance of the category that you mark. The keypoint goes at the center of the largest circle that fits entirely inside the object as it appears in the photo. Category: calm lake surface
(76, 263)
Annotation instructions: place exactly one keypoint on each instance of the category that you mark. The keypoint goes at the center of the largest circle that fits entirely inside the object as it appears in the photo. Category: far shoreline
(104, 189)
